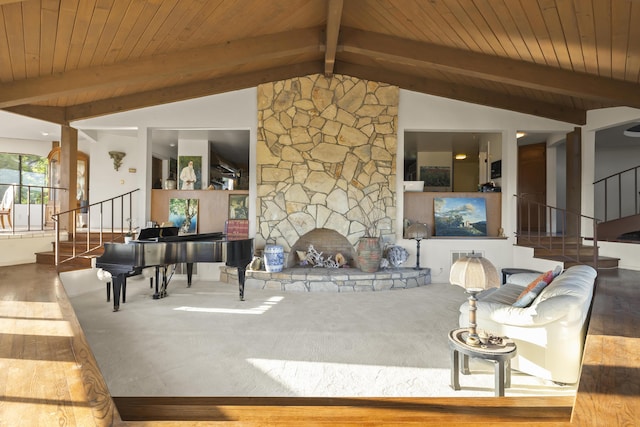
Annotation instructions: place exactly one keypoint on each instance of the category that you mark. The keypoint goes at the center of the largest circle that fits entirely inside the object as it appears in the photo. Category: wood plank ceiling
(72, 59)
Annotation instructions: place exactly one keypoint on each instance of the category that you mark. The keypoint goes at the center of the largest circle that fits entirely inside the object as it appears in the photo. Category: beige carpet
(203, 341)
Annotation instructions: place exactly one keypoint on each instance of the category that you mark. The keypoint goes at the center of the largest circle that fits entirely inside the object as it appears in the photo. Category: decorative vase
(273, 258)
(369, 253)
(397, 255)
(170, 184)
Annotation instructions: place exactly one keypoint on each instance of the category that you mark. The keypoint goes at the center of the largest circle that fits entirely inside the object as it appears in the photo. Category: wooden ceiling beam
(204, 59)
(334, 16)
(465, 93)
(48, 114)
(418, 55)
(189, 91)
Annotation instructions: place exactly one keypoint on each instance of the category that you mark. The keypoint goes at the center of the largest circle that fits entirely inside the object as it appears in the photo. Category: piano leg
(156, 295)
(117, 282)
(189, 273)
(241, 277)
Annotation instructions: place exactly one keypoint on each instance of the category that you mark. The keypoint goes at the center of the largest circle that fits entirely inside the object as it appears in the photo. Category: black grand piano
(160, 247)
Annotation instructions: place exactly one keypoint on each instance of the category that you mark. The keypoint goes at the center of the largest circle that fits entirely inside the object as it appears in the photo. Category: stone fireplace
(326, 175)
(326, 160)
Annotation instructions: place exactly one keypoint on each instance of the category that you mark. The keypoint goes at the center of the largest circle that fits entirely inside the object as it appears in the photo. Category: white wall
(419, 112)
(231, 110)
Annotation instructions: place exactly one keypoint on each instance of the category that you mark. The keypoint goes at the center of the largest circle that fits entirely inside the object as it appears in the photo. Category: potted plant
(130, 234)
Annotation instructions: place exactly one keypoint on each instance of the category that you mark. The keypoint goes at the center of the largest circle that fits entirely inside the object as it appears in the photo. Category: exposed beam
(198, 60)
(519, 73)
(334, 16)
(48, 114)
(189, 91)
(465, 93)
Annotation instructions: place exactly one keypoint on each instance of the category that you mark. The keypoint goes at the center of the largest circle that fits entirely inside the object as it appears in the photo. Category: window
(24, 170)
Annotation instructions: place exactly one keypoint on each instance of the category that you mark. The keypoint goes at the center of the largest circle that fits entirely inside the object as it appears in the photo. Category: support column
(68, 173)
(574, 181)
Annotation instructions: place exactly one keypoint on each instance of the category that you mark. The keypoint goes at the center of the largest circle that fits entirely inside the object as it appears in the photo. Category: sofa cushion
(534, 288)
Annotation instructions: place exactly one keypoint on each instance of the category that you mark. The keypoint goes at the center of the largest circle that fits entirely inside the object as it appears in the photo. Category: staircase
(83, 245)
(556, 242)
(567, 250)
(78, 251)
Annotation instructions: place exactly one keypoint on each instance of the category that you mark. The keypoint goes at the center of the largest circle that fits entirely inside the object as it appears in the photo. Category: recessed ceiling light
(461, 156)
(172, 145)
(44, 133)
(633, 131)
(520, 135)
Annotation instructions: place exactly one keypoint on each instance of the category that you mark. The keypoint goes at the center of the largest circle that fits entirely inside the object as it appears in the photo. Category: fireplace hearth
(309, 279)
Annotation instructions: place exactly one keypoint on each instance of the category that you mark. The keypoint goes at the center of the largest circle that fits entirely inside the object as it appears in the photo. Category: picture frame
(496, 169)
(460, 216)
(183, 213)
(190, 180)
(238, 206)
(436, 176)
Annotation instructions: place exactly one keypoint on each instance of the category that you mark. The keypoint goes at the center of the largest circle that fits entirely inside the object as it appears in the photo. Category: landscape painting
(436, 176)
(460, 216)
(183, 213)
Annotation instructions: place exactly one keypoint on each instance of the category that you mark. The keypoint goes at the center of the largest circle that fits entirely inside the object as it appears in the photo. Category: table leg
(464, 365)
(455, 361)
(507, 374)
(500, 369)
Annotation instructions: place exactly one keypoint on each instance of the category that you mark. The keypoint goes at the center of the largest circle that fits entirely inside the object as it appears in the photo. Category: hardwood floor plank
(48, 376)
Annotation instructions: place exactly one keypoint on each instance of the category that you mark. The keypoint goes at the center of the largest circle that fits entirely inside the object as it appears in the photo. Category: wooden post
(68, 174)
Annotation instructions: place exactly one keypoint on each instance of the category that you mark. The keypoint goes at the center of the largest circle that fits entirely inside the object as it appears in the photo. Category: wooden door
(532, 185)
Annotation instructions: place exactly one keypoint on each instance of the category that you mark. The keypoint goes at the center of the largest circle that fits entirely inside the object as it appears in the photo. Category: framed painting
(238, 206)
(190, 172)
(460, 216)
(183, 213)
(496, 169)
(436, 176)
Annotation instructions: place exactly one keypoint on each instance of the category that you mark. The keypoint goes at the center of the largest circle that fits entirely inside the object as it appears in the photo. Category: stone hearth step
(308, 279)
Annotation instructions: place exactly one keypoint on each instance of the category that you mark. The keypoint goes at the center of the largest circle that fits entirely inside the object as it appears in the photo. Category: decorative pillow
(535, 287)
(527, 299)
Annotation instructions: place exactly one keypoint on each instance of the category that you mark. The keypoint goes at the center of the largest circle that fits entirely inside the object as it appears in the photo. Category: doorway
(532, 186)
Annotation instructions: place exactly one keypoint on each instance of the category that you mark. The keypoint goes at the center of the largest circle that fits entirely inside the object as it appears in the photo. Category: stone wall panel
(321, 142)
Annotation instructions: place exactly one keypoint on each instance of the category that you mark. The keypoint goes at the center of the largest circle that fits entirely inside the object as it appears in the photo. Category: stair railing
(40, 202)
(547, 225)
(611, 191)
(121, 203)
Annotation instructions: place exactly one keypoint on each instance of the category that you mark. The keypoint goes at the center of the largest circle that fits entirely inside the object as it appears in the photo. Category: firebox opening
(324, 240)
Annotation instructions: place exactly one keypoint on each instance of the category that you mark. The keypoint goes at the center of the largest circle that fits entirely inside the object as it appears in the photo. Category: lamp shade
(474, 273)
(417, 231)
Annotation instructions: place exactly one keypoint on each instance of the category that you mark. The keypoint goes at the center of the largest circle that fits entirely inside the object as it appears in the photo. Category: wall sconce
(117, 157)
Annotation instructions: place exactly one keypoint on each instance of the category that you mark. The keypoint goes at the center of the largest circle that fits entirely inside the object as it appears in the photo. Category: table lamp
(417, 232)
(474, 273)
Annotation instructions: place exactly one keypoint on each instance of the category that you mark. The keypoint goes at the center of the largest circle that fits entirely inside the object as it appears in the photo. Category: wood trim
(489, 67)
(465, 93)
(208, 58)
(334, 15)
(290, 411)
(189, 91)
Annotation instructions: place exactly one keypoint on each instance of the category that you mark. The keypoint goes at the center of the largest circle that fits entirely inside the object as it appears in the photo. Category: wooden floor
(48, 375)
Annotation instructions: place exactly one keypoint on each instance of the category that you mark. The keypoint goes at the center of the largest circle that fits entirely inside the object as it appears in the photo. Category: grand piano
(160, 247)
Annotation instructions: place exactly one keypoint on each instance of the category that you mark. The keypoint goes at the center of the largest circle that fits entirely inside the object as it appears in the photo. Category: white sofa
(551, 331)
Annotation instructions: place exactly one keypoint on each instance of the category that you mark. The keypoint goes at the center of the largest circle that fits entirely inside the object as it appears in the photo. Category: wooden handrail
(616, 178)
(109, 203)
(554, 231)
